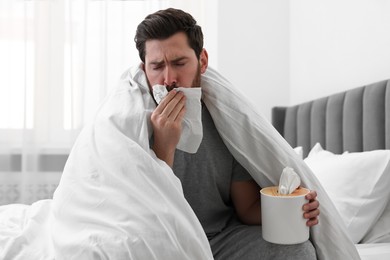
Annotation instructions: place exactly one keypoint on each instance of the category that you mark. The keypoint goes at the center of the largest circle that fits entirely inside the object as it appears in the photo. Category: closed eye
(157, 65)
(179, 62)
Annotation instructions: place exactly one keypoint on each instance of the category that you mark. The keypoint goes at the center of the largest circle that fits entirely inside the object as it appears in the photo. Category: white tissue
(192, 130)
(159, 92)
(289, 181)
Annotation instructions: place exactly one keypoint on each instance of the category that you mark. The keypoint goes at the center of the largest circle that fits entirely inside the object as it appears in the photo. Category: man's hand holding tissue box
(288, 183)
(282, 209)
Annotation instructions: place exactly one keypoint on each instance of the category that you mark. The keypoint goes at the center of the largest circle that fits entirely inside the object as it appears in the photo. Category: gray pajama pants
(243, 242)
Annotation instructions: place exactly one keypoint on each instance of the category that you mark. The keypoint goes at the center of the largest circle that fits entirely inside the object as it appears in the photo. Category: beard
(196, 81)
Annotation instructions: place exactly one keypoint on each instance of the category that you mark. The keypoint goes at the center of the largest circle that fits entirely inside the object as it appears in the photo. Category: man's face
(172, 62)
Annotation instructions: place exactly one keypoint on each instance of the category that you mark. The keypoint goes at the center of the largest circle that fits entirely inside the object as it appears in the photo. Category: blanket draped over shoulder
(258, 147)
(117, 200)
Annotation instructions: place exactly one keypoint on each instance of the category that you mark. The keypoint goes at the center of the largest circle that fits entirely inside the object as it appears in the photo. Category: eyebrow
(159, 63)
(179, 59)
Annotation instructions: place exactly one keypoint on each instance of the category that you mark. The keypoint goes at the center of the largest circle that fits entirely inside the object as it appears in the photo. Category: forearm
(246, 200)
(164, 155)
(252, 216)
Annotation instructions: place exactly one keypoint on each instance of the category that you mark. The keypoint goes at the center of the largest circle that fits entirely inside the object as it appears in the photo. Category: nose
(170, 77)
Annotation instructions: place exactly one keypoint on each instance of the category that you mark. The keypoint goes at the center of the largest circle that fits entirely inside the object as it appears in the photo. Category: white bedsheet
(25, 231)
(117, 200)
(379, 251)
(20, 222)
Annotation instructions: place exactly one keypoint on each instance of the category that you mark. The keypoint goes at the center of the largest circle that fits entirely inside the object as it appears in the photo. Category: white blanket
(264, 153)
(117, 200)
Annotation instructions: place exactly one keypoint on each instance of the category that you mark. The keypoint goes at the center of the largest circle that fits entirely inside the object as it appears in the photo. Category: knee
(305, 251)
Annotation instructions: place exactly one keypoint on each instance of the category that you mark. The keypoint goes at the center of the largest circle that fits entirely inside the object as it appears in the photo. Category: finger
(165, 101)
(314, 204)
(311, 195)
(312, 222)
(178, 111)
(311, 214)
(174, 106)
(181, 114)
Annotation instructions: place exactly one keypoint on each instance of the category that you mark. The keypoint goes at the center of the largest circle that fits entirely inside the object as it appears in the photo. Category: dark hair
(165, 23)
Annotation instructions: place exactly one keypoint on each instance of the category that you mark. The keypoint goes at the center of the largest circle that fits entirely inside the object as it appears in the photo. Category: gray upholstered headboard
(355, 120)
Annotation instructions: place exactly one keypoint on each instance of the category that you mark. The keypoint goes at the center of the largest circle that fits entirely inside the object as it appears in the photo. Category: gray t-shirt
(206, 178)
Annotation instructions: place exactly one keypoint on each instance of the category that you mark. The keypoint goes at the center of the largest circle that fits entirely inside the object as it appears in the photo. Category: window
(59, 60)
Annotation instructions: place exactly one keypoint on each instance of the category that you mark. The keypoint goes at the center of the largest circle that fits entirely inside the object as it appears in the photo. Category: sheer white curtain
(58, 59)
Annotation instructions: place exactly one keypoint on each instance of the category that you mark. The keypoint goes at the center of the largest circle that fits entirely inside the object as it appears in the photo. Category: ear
(204, 61)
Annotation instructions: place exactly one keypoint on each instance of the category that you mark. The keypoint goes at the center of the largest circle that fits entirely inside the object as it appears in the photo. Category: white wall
(253, 49)
(286, 52)
(337, 45)
(206, 15)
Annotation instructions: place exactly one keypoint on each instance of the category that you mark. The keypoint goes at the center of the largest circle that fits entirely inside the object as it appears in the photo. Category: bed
(345, 139)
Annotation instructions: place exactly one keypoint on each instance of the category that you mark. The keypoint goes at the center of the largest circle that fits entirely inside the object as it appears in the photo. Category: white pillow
(357, 183)
(299, 150)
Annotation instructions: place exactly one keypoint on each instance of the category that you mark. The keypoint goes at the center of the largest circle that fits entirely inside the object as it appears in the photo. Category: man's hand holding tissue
(166, 121)
(311, 209)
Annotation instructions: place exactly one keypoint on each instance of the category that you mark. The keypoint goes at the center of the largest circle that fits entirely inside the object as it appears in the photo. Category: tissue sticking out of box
(289, 181)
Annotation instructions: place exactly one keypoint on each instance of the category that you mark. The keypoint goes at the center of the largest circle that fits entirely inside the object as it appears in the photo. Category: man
(221, 192)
